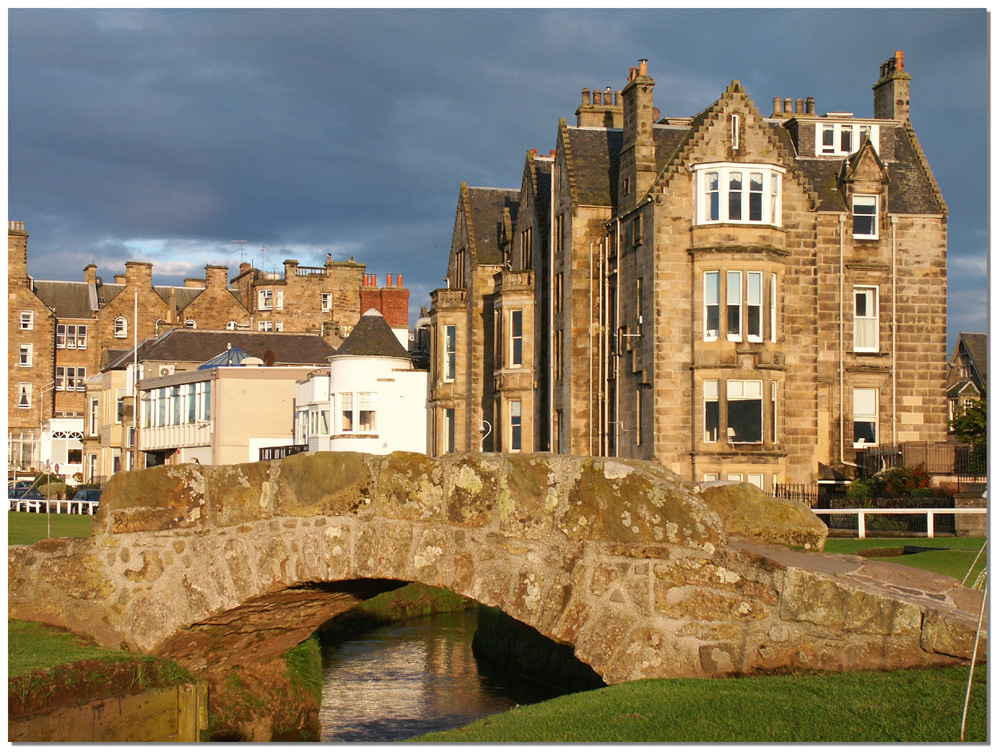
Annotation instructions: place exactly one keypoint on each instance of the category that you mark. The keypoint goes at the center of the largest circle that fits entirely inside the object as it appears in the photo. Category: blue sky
(163, 135)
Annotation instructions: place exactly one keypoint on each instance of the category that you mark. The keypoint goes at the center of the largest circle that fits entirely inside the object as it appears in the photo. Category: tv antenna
(241, 242)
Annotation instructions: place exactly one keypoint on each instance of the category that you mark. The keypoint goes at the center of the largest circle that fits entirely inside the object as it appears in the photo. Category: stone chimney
(892, 91)
(138, 274)
(17, 252)
(600, 110)
(119, 279)
(216, 276)
(638, 156)
(90, 274)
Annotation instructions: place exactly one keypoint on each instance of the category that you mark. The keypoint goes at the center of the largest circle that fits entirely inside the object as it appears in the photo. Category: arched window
(231, 325)
(190, 324)
(121, 327)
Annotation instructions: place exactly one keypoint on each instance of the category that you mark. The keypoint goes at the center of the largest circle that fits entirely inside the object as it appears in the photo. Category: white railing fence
(35, 506)
(929, 513)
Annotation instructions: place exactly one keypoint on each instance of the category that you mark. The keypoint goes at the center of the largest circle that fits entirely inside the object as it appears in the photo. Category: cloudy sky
(165, 135)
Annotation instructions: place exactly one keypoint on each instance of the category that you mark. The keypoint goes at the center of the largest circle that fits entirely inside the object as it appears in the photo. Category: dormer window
(864, 208)
(738, 193)
(842, 139)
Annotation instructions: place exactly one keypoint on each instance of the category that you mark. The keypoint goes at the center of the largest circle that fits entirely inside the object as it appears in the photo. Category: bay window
(744, 411)
(738, 193)
(712, 305)
(734, 305)
(449, 352)
(357, 412)
(516, 338)
(755, 303)
(515, 425)
(711, 394)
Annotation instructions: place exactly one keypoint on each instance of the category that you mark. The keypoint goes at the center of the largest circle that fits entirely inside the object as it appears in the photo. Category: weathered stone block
(749, 514)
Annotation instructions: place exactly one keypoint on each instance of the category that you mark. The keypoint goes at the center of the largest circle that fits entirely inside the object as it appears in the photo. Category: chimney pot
(776, 107)
(788, 105)
(586, 96)
(643, 68)
(810, 106)
(799, 106)
(388, 280)
(399, 280)
(899, 60)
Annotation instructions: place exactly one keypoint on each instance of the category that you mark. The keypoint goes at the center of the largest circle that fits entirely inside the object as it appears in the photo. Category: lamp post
(485, 428)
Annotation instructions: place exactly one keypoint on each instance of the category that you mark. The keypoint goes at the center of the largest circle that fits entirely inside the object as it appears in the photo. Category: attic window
(842, 139)
(864, 208)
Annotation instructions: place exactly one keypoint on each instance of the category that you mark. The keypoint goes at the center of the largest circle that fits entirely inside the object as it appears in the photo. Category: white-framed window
(842, 139)
(121, 327)
(866, 318)
(755, 478)
(279, 326)
(27, 319)
(515, 425)
(94, 416)
(712, 305)
(865, 414)
(774, 307)
(774, 412)
(265, 325)
(71, 336)
(755, 307)
(70, 378)
(319, 422)
(231, 325)
(450, 332)
(24, 395)
(710, 476)
(24, 355)
(711, 393)
(864, 211)
(325, 302)
(265, 299)
(191, 324)
(738, 193)
(734, 476)
(357, 412)
(516, 338)
(744, 411)
(734, 305)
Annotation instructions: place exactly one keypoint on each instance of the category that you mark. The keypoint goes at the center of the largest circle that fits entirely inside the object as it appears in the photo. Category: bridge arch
(620, 559)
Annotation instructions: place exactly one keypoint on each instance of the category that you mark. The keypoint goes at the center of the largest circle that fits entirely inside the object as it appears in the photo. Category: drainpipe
(892, 221)
(552, 314)
(590, 355)
(618, 324)
(843, 461)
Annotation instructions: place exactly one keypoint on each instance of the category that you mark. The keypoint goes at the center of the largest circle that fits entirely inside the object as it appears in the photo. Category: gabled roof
(484, 215)
(199, 346)
(592, 157)
(372, 337)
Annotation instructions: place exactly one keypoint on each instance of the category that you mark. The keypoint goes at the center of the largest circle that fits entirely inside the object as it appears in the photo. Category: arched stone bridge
(620, 559)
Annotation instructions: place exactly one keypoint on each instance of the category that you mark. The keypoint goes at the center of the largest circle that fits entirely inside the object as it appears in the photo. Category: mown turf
(25, 528)
(897, 706)
(952, 555)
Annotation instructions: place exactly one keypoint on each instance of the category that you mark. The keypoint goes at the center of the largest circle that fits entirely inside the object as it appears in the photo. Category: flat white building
(372, 399)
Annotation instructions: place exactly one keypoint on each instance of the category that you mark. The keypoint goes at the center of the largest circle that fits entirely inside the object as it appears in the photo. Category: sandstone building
(63, 333)
(740, 294)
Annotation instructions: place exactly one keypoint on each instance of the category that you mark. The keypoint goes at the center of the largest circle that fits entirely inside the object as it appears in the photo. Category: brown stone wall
(215, 306)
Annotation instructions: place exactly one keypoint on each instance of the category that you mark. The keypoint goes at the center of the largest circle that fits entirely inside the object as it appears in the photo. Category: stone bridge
(643, 574)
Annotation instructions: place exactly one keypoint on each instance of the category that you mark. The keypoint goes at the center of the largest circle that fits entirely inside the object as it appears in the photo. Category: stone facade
(741, 295)
(70, 330)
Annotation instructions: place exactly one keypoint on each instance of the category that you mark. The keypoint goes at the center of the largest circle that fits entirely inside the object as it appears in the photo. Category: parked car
(19, 487)
(92, 495)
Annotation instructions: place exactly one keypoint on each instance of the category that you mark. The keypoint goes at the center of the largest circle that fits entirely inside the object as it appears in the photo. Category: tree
(970, 425)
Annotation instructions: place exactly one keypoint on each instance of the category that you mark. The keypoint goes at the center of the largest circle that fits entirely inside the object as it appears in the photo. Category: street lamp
(485, 428)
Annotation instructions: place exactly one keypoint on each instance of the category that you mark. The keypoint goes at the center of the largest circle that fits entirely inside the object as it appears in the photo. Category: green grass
(25, 528)
(32, 646)
(896, 706)
(954, 560)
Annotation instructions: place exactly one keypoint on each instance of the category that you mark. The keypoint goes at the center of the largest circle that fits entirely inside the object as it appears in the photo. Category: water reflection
(407, 679)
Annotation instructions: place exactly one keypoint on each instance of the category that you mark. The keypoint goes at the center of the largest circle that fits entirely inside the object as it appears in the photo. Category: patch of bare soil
(880, 552)
(83, 682)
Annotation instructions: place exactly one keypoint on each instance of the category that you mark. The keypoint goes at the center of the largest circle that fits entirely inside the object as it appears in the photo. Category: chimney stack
(892, 90)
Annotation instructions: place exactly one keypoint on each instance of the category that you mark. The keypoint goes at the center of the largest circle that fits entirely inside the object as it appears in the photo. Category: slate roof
(485, 218)
(68, 298)
(191, 345)
(976, 345)
(372, 337)
(593, 164)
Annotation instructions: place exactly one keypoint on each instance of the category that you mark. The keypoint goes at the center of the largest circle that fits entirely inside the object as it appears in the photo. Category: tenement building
(738, 294)
(61, 334)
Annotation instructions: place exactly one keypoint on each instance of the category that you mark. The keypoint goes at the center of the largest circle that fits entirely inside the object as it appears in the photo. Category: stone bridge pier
(643, 574)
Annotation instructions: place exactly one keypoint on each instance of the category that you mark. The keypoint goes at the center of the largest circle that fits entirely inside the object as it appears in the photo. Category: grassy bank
(48, 668)
(25, 528)
(897, 706)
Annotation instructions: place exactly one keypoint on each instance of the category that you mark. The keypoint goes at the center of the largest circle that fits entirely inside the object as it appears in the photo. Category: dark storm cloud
(163, 135)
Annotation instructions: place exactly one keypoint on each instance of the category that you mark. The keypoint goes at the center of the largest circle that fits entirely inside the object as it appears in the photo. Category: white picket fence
(36, 506)
(930, 513)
